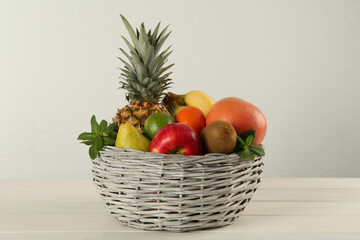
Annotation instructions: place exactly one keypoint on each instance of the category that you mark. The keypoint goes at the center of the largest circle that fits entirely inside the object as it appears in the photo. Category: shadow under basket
(177, 193)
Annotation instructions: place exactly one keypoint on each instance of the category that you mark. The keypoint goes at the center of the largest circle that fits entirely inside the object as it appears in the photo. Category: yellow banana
(175, 103)
(178, 108)
(193, 98)
(200, 100)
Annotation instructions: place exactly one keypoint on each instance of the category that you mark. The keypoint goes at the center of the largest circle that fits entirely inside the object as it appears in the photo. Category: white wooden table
(282, 208)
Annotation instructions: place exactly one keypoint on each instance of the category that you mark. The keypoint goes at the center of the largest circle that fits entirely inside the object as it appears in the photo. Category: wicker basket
(173, 192)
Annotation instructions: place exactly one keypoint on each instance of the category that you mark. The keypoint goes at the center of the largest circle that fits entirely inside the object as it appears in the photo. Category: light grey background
(298, 61)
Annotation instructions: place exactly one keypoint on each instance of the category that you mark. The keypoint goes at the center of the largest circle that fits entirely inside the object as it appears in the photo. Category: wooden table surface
(282, 208)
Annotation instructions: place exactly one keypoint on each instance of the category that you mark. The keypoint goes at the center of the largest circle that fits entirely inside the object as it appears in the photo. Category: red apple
(176, 138)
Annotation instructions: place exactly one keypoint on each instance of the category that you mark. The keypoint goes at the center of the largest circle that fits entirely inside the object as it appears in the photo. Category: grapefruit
(242, 115)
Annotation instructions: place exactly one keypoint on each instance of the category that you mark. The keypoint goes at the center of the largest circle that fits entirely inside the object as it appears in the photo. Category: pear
(129, 137)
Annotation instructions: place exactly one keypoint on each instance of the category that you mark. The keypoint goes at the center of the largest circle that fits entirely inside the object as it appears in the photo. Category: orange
(242, 115)
(192, 117)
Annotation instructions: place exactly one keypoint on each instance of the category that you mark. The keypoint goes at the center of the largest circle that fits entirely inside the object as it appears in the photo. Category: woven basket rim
(149, 157)
(172, 155)
(116, 149)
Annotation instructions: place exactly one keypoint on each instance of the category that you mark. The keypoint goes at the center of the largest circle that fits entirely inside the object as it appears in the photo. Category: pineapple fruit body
(136, 113)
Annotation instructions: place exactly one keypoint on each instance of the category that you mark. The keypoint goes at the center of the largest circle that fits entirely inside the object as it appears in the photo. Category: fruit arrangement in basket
(163, 122)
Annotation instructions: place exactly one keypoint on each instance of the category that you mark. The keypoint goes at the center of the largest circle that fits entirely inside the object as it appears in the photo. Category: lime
(155, 122)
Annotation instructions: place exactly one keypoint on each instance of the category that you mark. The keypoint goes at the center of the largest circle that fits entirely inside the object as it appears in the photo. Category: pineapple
(145, 76)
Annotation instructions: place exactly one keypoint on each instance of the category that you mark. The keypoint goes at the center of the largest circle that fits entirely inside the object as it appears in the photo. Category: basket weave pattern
(173, 192)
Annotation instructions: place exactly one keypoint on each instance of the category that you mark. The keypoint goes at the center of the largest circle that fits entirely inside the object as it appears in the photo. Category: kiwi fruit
(219, 137)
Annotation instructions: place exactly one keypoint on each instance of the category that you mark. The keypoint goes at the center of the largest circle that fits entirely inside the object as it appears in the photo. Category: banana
(194, 98)
(178, 108)
(200, 100)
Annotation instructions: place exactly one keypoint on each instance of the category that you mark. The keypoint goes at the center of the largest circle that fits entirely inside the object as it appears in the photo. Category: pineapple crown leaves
(145, 76)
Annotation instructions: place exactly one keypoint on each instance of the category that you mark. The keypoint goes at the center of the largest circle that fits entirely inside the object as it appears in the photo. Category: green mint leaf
(93, 153)
(102, 126)
(102, 134)
(109, 141)
(239, 145)
(86, 136)
(91, 142)
(94, 125)
(112, 134)
(257, 150)
(99, 143)
(246, 134)
(245, 154)
(241, 141)
(251, 156)
(249, 141)
(111, 127)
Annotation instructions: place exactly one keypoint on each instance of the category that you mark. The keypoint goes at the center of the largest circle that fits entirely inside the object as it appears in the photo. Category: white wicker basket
(173, 192)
